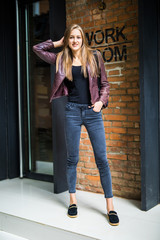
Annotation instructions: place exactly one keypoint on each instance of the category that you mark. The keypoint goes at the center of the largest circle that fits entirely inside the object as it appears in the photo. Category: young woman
(78, 69)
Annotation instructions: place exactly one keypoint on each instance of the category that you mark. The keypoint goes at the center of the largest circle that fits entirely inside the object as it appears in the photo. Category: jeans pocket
(95, 111)
(68, 106)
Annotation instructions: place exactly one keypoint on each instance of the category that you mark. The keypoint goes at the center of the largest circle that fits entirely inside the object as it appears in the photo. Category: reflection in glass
(41, 160)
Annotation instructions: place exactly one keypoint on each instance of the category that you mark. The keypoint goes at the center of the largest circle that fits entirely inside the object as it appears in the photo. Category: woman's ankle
(110, 206)
(73, 199)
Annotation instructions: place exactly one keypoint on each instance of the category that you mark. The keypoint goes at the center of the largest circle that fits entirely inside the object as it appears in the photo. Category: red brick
(116, 130)
(133, 145)
(134, 184)
(109, 14)
(87, 153)
(83, 181)
(86, 141)
(92, 178)
(84, 159)
(84, 147)
(126, 98)
(120, 181)
(133, 131)
(117, 104)
(78, 169)
(125, 16)
(92, 159)
(81, 164)
(117, 124)
(116, 187)
(133, 91)
(116, 111)
(108, 111)
(134, 118)
(96, 17)
(134, 171)
(115, 117)
(114, 72)
(138, 178)
(118, 12)
(136, 138)
(117, 156)
(132, 8)
(114, 6)
(133, 158)
(86, 19)
(77, 20)
(112, 19)
(117, 92)
(115, 79)
(95, 183)
(127, 138)
(133, 105)
(81, 175)
(90, 165)
(132, 64)
(79, 2)
(128, 111)
(136, 98)
(116, 143)
(125, 85)
(124, 3)
(117, 174)
(114, 136)
(116, 98)
(107, 124)
(129, 176)
(84, 135)
(94, 189)
(128, 124)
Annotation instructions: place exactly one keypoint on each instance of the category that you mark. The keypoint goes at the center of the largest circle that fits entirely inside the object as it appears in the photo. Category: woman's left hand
(97, 106)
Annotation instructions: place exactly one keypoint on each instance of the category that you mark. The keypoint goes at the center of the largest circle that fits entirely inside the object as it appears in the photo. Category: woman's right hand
(59, 43)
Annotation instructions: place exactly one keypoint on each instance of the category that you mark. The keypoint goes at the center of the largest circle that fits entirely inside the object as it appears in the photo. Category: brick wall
(113, 31)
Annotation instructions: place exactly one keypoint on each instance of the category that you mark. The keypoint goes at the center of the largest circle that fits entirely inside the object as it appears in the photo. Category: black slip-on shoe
(113, 218)
(72, 211)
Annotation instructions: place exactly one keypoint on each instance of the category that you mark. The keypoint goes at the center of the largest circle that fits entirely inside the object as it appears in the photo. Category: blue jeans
(77, 115)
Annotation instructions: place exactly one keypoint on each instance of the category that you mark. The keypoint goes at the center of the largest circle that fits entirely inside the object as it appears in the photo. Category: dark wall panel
(3, 116)
(57, 28)
(149, 100)
(159, 84)
(12, 94)
(9, 103)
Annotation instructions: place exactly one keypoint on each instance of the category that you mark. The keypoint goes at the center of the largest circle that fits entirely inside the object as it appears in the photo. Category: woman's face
(75, 40)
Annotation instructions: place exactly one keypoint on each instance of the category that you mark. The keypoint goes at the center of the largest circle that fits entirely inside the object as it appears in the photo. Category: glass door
(37, 109)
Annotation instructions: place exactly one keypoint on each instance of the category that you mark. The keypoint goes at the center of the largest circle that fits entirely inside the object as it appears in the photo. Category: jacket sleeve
(42, 51)
(104, 84)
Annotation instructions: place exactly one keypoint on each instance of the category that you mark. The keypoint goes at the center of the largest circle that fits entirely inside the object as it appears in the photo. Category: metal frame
(28, 89)
(19, 93)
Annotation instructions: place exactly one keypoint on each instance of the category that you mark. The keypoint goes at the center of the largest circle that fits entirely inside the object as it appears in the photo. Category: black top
(78, 89)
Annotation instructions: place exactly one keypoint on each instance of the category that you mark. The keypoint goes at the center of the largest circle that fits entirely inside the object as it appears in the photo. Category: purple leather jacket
(59, 89)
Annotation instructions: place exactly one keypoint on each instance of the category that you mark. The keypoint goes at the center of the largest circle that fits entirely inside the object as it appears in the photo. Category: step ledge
(36, 231)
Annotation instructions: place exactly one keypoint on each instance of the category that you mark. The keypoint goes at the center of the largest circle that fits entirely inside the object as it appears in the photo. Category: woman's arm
(104, 88)
(42, 50)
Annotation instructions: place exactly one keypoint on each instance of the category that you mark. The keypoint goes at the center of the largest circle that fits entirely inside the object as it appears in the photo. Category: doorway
(36, 75)
(43, 137)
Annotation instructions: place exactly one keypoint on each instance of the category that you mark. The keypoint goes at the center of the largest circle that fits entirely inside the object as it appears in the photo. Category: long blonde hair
(86, 55)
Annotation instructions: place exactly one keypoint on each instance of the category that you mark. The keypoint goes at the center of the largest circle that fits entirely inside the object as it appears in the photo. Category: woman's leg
(109, 204)
(73, 199)
(72, 130)
(95, 128)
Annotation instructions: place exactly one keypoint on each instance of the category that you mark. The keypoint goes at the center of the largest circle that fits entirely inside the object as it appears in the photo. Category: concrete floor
(29, 209)
(8, 236)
